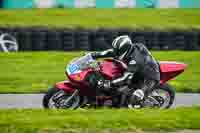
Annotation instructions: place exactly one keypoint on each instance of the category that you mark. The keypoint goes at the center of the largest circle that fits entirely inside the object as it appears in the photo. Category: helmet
(122, 47)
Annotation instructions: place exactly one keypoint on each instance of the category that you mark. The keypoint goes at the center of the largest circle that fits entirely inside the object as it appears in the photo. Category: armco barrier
(84, 39)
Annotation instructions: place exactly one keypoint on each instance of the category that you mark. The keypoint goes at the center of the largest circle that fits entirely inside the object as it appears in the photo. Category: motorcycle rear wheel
(49, 102)
(161, 97)
(165, 94)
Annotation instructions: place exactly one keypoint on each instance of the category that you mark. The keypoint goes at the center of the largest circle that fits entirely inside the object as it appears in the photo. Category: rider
(139, 61)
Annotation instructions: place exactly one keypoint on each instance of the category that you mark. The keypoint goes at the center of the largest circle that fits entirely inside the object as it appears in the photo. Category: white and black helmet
(122, 46)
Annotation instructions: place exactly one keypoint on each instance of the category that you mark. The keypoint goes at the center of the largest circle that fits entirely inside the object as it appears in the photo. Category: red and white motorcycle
(78, 92)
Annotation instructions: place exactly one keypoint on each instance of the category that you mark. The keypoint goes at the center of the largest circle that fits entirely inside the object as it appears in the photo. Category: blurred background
(99, 3)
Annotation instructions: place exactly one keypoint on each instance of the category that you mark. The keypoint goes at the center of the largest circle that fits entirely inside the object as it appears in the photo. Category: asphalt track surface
(35, 100)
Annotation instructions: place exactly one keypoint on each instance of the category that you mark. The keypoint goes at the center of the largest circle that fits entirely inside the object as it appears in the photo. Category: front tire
(55, 98)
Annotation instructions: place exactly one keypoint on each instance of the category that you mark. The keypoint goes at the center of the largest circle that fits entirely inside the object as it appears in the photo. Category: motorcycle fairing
(66, 86)
(69, 87)
(79, 77)
(169, 70)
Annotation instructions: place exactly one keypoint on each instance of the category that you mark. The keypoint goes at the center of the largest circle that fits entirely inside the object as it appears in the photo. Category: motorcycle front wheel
(56, 98)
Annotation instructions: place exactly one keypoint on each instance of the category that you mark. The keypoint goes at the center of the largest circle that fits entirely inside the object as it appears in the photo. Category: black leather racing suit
(140, 62)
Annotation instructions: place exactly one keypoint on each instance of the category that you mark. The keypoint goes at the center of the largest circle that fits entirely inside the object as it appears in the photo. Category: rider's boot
(136, 98)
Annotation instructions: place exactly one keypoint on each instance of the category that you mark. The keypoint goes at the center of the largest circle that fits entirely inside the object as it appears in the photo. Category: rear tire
(171, 92)
(50, 93)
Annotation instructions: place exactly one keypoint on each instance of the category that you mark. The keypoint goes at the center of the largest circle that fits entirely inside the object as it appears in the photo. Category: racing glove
(103, 54)
(106, 84)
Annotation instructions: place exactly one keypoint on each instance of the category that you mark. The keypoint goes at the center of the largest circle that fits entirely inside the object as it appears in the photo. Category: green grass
(27, 72)
(103, 18)
(44, 121)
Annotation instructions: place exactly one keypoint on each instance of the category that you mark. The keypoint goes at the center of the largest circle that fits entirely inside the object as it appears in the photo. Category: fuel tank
(111, 69)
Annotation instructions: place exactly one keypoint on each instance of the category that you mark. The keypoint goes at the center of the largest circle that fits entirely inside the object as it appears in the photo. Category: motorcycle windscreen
(78, 65)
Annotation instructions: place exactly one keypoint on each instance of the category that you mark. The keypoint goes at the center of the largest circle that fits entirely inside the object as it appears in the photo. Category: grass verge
(44, 121)
(34, 72)
(96, 18)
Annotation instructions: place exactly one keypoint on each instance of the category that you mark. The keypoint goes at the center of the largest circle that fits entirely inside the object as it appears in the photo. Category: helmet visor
(123, 50)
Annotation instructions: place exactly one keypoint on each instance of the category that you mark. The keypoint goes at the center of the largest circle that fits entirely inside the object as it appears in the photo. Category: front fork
(72, 96)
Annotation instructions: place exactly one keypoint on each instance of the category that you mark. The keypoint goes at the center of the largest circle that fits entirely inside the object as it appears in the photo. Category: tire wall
(42, 39)
(1, 3)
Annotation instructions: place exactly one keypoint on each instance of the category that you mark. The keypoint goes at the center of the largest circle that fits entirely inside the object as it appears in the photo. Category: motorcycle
(80, 90)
